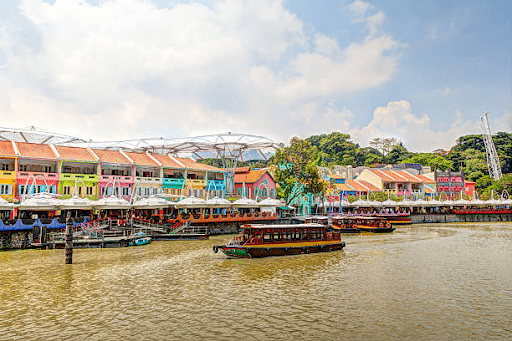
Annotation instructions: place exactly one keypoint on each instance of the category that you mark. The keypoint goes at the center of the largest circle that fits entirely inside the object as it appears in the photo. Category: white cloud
(417, 133)
(125, 69)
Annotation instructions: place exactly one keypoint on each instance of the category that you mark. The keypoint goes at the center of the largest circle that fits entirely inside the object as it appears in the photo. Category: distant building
(449, 183)
(398, 183)
(469, 188)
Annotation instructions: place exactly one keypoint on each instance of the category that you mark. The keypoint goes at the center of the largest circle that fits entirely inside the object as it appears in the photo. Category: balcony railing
(173, 182)
(197, 182)
(121, 178)
(48, 176)
(216, 183)
(148, 180)
(83, 177)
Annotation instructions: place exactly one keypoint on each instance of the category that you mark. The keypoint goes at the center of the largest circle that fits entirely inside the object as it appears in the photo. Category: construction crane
(493, 161)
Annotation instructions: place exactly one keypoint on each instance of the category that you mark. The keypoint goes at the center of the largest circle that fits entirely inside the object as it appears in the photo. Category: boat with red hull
(258, 241)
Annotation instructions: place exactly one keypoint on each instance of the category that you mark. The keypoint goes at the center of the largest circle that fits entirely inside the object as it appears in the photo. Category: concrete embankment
(458, 218)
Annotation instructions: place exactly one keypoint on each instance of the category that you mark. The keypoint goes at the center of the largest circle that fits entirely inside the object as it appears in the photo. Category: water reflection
(421, 282)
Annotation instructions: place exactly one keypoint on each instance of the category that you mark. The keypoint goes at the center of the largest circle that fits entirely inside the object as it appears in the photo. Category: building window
(126, 191)
(272, 193)
(90, 190)
(239, 192)
(5, 189)
(66, 190)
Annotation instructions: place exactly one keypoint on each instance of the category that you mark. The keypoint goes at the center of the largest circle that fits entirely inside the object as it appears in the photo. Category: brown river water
(422, 282)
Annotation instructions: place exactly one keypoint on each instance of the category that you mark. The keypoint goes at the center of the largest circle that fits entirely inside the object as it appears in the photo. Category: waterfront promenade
(422, 282)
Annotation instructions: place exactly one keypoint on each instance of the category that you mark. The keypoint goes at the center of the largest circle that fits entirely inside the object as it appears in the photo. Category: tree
(295, 170)
(398, 154)
(384, 144)
(432, 160)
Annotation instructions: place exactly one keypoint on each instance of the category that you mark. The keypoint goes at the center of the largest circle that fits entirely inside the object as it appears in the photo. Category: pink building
(254, 183)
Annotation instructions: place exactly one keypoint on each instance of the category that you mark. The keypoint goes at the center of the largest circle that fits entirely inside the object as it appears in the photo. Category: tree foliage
(295, 171)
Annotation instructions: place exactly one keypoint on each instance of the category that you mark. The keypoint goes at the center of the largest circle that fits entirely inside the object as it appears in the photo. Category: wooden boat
(374, 225)
(344, 224)
(281, 240)
(355, 224)
(396, 218)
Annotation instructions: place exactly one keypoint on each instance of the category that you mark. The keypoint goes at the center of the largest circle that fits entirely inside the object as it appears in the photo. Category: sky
(420, 71)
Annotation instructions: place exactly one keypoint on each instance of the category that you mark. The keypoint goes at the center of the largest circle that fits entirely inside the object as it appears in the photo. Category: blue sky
(423, 72)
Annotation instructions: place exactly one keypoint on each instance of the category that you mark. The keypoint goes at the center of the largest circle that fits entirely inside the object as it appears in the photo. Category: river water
(422, 282)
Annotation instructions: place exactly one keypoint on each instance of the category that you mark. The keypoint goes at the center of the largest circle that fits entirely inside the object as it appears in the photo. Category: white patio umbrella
(217, 202)
(5, 205)
(150, 203)
(361, 203)
(245, 203)
(390, 203)
(271, 202)
(39, 202)
(191, 202)
(112, 203)
(75, 203)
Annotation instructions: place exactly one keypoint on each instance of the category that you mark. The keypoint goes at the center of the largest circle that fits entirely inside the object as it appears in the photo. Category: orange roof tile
(426, 179)
(142, 159)
(166, 161)
(251, 177)
(191, 164)
(382, 174)
(111, 156)
(362, 186)
(6, 148)
(429, 190)
(336, 176)
(35, 150)
(411, 178)
(344, 187)
(75, 153)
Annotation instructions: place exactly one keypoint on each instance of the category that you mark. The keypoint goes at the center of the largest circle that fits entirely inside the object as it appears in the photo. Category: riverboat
(258, 241)
(396, 218)
(345, 224)
(373, 225)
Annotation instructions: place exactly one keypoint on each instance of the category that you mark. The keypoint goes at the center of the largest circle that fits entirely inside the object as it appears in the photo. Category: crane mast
(493, 161)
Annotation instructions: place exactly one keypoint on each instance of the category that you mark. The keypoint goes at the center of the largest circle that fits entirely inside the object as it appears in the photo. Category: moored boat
(281, 240)
(139, 238)
(374, 225)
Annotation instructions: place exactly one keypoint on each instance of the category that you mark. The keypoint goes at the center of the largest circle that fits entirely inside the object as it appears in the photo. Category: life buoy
(343, 226)
(388, 224)
(381, 224)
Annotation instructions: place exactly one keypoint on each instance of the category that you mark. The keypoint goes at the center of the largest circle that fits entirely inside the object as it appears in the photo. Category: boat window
(267, 236)
(277, 236)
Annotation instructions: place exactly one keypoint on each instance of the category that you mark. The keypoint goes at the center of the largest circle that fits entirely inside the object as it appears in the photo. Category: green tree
(295, 170)
(398, 154)
(432, 160)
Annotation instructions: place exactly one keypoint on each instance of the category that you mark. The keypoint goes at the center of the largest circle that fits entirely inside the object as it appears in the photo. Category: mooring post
(69, 239)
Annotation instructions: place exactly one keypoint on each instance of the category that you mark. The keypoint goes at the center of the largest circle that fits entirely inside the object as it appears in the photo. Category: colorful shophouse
(254, 183)
(116, 174)
(78, 168)
(393, 183)
(203, 180)
(8, 170)
(147, 171)
(449, 183)
(37, 168)
(174, 175)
